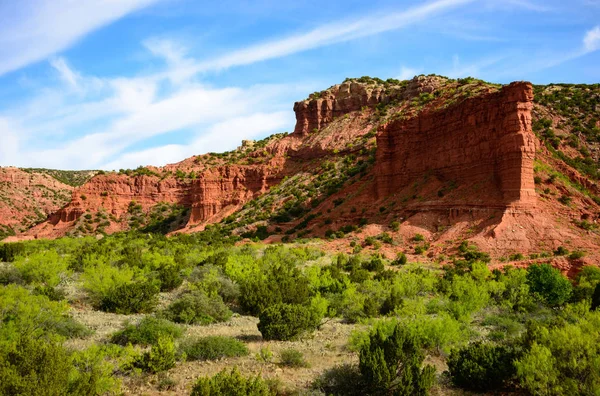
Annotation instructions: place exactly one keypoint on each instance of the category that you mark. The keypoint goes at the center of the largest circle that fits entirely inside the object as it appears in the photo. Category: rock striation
(485, 140)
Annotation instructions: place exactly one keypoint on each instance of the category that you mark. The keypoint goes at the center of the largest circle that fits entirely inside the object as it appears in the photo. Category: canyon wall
(218, 192)
(485, 140)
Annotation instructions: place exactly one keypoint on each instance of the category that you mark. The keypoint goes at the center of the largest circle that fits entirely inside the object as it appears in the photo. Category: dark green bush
(482, 366)
(231, 383)
(287, 321)
(293, 358)
(8, 251)
(213, 347)
(197, 308)
(146, 332)
(548, 284)
(596, 298)
(393, 364)
(400, 259)
(374, 265)
(129, 298)
(282, 283)
(344, 380)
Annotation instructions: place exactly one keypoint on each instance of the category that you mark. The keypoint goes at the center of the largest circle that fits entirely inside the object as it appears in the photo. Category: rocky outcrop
(113, 194)
(219, 192)
(27, 197)
(485, 140)
(321, 108)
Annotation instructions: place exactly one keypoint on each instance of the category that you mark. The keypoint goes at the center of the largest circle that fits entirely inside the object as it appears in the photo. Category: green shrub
(34, 366)
(9, 274)
(562, 360)
(481, 366)
(292, 358)
(374, 265)
(418, 238)
(22, 312)
(128, 298)
(161, 356)
(213, 348)
(548, 284)
(92, 374)
(231, 383)
(212, 280)
(287, 322)
(400, 259)
(47, 267)
(53, 293)
(9, 251)
(393, 364)
(344, 380)
(197, 308)
(146, 332)
(282, 283)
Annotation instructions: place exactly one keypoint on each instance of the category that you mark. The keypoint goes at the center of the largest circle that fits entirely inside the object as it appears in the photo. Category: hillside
(28, 196)
(372, 160)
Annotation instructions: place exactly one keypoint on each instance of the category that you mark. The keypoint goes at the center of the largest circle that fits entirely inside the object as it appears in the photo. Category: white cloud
(591, 41)
(406, 73)
(330, 34)
(66, 73)
(9, 148)
(33, 30)
(220, 137)
(101, 121)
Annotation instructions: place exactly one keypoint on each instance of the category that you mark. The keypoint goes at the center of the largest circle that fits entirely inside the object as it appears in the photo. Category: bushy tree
(481, 366)
(393, 364)
(548, 284)
(197, 308)
(562, 360)
(128, 298)
(287, 321)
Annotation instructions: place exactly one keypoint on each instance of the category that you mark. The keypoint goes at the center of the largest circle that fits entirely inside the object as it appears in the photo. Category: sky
(111, 84)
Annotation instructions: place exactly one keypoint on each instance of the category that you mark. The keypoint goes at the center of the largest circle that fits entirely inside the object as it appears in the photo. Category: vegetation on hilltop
(71, 178)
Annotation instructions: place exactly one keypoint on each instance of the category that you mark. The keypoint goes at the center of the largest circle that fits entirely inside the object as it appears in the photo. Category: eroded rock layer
(485, 140)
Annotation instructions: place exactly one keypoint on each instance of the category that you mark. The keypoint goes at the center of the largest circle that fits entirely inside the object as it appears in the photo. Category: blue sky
(109, 84)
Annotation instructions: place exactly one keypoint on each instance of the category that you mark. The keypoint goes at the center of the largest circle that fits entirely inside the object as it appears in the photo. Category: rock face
(113, 194)
(27, 197)
(219, 192)
(485, 140)
(321, 108)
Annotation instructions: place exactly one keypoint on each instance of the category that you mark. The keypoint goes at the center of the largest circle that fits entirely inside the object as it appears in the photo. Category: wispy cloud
(529, 5)
(591, 40)
(330, 34)
(407, 73)
(41, 28)
(66, 73)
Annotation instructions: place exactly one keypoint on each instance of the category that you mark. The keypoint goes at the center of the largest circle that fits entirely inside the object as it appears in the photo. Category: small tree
(393, 364)
(481, 367)
(548, 284)
(287, 321)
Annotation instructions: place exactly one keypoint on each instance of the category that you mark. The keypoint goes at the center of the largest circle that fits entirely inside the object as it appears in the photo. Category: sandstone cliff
(448, 159)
